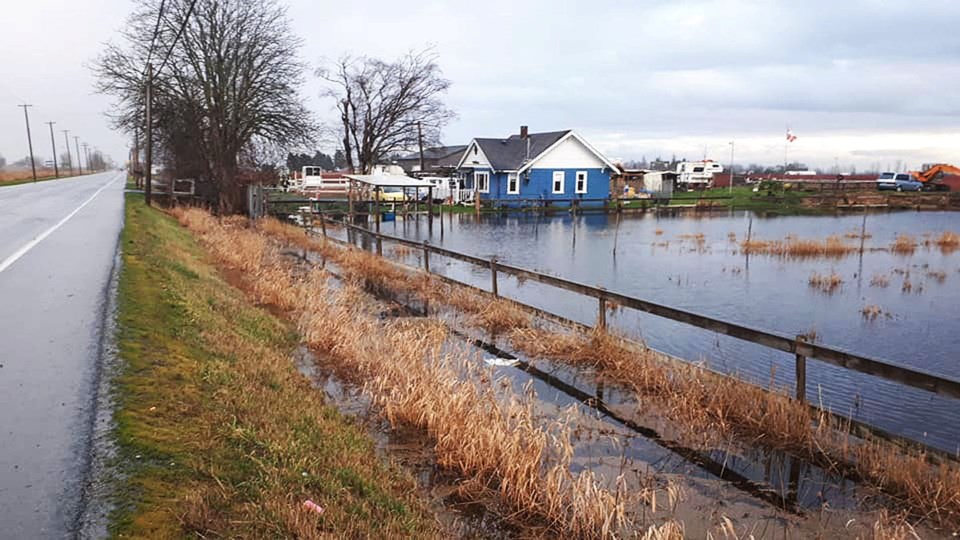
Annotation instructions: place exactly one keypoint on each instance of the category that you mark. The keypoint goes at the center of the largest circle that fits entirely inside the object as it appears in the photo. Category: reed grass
(825, 283)
(712, 407)
(904, 244)
(792, 247)
(871, 312)
(479, 428)
(948, 242)
(880, 280)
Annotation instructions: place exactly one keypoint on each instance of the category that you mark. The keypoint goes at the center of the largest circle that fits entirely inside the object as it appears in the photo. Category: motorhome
(697, 174)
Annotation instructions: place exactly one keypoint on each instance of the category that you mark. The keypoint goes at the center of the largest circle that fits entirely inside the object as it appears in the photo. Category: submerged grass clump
(948, 242)
(792, 247)
(904, 244)
(825, 283)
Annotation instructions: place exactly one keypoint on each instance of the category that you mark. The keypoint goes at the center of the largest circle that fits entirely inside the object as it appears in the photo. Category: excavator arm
(937, 171)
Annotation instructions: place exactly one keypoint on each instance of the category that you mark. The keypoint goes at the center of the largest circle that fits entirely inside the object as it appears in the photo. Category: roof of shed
(388, 180)
(437, 152)
(510, 154)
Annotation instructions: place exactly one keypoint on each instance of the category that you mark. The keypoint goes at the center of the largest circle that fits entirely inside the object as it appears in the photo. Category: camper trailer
(697, 174)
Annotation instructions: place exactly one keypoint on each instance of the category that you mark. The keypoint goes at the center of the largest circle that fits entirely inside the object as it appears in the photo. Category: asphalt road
(58, 241)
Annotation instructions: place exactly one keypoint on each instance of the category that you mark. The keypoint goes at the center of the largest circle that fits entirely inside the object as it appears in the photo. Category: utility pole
(53, 143)
(26, 118)
(76, 141)
(86, 154)
(148, 166)
(66, 139)
(420, 143)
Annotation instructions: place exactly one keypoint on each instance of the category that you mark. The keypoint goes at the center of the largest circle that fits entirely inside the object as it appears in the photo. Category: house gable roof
(510, 154)
(568, 135)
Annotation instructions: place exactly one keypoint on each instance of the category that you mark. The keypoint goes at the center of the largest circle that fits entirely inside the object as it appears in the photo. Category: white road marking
(31, 244)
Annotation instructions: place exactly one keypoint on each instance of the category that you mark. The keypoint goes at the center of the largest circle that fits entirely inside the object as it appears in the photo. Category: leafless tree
(232, 81)
(380, 104)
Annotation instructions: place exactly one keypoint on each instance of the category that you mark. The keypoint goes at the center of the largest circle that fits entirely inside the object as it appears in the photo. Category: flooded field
(895, 300)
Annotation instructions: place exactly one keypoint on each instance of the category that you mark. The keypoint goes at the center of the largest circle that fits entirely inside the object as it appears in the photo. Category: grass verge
(219, 434)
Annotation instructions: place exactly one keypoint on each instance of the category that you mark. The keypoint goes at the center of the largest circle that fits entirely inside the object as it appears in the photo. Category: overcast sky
(860, 82)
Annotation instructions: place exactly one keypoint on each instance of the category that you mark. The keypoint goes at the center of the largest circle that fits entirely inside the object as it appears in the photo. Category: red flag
(790, 136)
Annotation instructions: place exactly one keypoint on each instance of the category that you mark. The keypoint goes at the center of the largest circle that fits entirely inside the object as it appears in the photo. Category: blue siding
(539, 185)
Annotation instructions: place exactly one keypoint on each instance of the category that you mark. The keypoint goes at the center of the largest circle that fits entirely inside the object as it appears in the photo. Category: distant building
(548, 166)
(435, 160)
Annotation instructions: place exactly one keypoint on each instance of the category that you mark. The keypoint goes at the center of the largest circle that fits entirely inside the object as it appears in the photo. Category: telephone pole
(420, 144)
(86, 154)
(76, 141)
(66, 139)
(148, 166)
(26, 118)
(53, 143)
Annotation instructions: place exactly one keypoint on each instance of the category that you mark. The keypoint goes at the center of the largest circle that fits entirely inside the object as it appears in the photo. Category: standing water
(900, 308)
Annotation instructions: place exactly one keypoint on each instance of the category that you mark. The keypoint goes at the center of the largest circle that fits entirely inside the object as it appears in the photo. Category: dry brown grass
(871, 312)
(904, 244)
(791, 247)
(880, 280)
(714, 407)
(658, 232)
(948, 242)
(25, 174)
(937, 275)
(825, 283)
(480, 429)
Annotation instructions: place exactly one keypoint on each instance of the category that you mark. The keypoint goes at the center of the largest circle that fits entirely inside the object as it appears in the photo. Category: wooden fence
(798, 346)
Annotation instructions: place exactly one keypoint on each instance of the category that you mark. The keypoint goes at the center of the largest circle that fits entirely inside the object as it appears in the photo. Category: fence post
(602, 314)
(379, 244)
(802, 351)
(493, 277)
(426, 257)
(323, 223)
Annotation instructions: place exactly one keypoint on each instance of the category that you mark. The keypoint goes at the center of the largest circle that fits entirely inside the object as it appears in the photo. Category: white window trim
(576, 184)
(515, 178)
(553, 182)
(476, 181)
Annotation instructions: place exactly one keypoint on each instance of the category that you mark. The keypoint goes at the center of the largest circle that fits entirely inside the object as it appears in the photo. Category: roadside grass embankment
(704, 404)
(219, 435)
(487, 433)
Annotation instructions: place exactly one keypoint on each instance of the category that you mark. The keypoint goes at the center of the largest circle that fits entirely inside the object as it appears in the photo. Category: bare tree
(380, 104)
(232, 81)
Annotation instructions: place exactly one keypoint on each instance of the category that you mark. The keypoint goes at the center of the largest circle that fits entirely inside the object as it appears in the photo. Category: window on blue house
(483, 181)
(581, 186)
(558, 182)
(513, 184)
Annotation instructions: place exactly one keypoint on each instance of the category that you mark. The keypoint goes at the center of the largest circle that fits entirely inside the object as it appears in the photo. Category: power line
(183, 26)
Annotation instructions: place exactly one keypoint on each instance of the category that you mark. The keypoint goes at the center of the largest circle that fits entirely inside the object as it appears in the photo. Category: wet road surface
(58, 242)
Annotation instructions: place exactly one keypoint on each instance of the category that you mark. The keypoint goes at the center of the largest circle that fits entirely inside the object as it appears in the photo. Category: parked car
(391, 194)
(898, 182)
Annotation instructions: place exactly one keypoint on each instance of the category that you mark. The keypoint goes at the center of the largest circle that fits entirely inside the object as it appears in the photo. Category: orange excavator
(931, 175)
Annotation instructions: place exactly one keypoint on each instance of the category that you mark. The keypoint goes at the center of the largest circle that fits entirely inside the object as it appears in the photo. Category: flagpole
(786, 143)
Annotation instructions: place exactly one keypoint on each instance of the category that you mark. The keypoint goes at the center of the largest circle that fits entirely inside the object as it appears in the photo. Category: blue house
(552, 166)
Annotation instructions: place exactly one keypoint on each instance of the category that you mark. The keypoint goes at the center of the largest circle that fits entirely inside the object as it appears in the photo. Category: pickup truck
(898, 182)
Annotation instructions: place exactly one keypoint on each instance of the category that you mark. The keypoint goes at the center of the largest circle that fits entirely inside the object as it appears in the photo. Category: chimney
(523, 132)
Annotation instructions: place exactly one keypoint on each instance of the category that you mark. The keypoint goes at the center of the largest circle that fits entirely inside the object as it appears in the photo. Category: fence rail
(797, 346)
